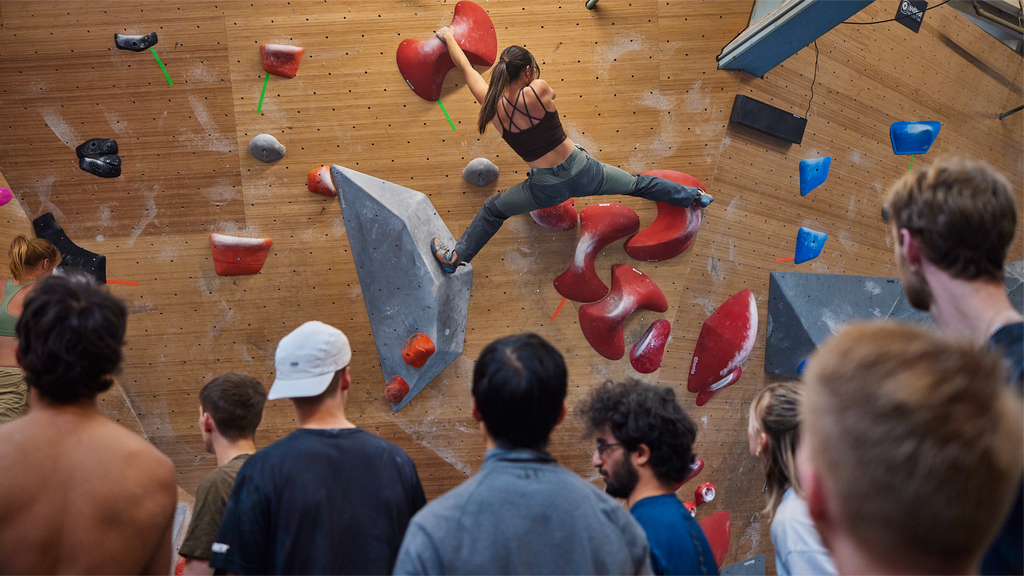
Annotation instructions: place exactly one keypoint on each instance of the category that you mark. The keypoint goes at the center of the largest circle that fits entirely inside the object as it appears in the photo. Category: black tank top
(542, 135)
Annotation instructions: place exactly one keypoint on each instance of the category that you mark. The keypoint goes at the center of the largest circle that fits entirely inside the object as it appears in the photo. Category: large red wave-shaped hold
(649, 350)
(672, 230)
(600, 225)
(234, 256)
(602, 321)
(319, 181)
(424, 63)
(281, 59)
(695, 469)
(718, 530)
(561, 217)
(704, 395)
(725, 342)
(417, 349)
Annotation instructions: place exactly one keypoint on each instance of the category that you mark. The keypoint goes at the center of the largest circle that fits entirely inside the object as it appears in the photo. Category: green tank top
(7, 321)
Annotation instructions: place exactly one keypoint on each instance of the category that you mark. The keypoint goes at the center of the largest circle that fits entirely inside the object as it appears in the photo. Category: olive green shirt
(211, 499)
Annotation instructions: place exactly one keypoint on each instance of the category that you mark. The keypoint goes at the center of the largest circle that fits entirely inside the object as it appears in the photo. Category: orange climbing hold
(417, 349)
(319, 181)
(234, 256)
(396, 390)
(281, 59)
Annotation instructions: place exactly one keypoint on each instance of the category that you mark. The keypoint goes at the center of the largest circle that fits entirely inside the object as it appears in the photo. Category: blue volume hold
(813, 173)
(809, 244)
(913, 137)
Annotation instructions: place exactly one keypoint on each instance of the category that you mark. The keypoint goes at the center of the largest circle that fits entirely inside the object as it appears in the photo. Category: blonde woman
(30, 260)
(773, 433)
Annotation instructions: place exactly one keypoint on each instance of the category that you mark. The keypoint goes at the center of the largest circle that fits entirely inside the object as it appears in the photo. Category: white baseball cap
(307, 359)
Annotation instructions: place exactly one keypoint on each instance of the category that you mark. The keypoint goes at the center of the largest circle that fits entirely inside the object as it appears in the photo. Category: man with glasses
(522, 513)
(645, 446)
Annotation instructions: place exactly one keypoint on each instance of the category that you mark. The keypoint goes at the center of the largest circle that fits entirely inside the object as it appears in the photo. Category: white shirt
(798, 548)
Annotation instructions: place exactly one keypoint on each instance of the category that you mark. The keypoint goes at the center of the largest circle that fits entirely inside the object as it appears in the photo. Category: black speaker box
(768, 119)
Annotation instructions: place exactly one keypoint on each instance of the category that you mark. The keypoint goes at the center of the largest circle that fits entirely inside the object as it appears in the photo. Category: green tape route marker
(450, 123)
(264, 91)
(911, 163)
(162, 67)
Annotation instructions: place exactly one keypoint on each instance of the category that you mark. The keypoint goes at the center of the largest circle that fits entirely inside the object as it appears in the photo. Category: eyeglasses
(602, 447)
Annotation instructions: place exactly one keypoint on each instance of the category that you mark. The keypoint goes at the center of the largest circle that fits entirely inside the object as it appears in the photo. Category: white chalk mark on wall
(59, 127)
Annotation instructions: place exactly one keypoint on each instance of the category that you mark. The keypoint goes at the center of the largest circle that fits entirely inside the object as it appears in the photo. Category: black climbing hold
(105, 166)
(135, 43)
(95, 146)
(73, 257)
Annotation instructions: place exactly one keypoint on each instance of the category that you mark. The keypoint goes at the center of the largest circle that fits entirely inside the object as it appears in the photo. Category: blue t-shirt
(319, 502)
(678, 544)
(1006, 555)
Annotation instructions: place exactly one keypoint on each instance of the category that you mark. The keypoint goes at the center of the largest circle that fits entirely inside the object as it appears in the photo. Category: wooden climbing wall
(637, 85)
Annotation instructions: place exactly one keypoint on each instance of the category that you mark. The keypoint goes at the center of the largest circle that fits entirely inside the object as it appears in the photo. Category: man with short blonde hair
(911, 450)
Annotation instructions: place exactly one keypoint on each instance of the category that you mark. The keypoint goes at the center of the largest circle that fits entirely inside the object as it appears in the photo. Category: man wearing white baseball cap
(330, 498)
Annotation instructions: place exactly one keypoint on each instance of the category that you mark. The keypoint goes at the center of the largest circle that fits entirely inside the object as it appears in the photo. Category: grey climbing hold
(96, 146)
(135, 43)
(480, 172)
(405, 291)
(266, 148)
(104, 166)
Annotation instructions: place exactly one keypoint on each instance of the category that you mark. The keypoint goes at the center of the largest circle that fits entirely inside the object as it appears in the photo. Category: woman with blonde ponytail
(30, 260)
(522, 107)
(773, 433)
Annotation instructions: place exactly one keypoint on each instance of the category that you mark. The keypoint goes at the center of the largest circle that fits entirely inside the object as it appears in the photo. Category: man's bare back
(81, 494)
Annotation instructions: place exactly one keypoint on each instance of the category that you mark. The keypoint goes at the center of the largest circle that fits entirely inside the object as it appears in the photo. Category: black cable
(893, 19)
(814, 79)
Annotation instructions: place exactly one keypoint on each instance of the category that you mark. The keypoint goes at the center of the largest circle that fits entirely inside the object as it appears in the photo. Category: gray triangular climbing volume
(405, 291)
(805, 309)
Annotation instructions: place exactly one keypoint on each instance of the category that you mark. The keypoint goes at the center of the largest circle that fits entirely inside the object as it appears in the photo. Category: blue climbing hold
(913, 137)
(800, 367)
(813, 173)
(809, 244)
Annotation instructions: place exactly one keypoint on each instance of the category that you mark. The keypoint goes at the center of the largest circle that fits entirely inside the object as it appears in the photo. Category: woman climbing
(521, 105)
(30, 260)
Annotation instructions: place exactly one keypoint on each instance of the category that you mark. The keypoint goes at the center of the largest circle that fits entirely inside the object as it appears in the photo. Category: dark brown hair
(963, 214)
(917, 438)
(513, 63)
(235, 402)
(70, 335)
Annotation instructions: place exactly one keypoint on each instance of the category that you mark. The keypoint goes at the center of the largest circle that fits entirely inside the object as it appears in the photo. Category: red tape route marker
(125, 282)
(557, 310)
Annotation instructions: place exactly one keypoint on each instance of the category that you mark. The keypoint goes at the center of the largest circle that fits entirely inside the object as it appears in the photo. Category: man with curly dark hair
(644, 447)
(81, 493)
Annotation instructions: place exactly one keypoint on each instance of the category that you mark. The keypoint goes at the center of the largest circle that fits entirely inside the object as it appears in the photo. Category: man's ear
(208, 424)
(911, 248)
(562, 415)
(641, 456)
(346, 380)
(476, 413)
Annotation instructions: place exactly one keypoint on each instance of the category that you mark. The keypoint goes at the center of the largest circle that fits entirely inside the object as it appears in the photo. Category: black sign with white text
(910, 13)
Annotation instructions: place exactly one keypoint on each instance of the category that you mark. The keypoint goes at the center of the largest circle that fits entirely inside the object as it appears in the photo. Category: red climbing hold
(396, 389)
(319, 181)
(691, 507)
(424, 63)
(561, 217)
(704, 395)
(695, 469)
(179, 567)
(649, 350)
(725, 342)
(417, 349)
(718, 530)
(600, 225)
(672, 230)
(281, 59)
(234, 256)
(704, 493)
(602, 321)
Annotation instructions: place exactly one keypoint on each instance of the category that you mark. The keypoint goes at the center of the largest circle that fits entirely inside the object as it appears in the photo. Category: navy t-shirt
(319, 502)
(1006, 556)
(678, 544)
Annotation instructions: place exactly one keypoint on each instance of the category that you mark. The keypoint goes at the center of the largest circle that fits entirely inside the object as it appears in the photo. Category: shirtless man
(79, 494)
